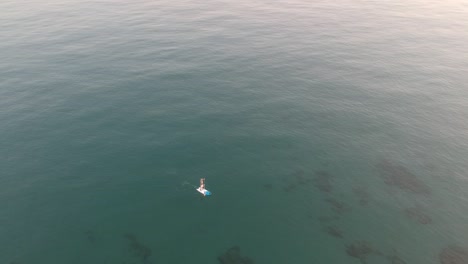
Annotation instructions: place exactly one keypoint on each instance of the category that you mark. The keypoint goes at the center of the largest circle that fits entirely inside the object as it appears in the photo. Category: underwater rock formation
(289, 187)
(295, 180)
(394, 258)
(399, 176)
(334, 231)
(361, 250)
(337, 206)
(362, 194)
(417, 214)
(233, 256)
(90, 236)
(323, 181)
(453, 255)
(139, 250)
(300, 178)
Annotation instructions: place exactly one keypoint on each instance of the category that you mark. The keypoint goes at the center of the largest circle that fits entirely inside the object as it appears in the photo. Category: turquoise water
(327, 131)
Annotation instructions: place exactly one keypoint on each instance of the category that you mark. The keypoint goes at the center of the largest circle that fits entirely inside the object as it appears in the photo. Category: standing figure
(202, 184)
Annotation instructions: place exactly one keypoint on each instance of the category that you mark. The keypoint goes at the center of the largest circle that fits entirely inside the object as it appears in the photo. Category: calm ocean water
(327, 131)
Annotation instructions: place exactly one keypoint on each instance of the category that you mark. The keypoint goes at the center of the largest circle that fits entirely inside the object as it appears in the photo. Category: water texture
(327, 131)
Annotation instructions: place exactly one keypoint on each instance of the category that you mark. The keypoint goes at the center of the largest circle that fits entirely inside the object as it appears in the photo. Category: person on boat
(202, 184)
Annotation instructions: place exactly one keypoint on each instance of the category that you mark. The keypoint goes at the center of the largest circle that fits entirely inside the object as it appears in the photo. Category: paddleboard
(204, 191)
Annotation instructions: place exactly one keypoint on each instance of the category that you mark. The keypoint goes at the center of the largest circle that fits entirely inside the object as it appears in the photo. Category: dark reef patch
(233, 256)
(398, 176)
(362, 194)
(90, 236)
(418, 215)
(334, 231)
(361, 250)
(454, 255)
(337, 206)
(394, 258)
(290, 187)
(296, 179)
(300, 178)
(139, 250)
(323, 181)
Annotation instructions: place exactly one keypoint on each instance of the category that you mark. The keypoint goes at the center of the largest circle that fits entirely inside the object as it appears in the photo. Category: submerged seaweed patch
(300, 178)
(295, 180)
(139, 250)
(337, 206)
(362, 194)
(233, 256)
(453, 255)
(90, 236)
(393, 258)
(361, 250)
(323, 181)
(399, 176)
(418, 215)
(334, 231)
(290, 187)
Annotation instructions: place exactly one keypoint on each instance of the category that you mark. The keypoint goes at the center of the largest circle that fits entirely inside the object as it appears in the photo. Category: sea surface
(327, 131)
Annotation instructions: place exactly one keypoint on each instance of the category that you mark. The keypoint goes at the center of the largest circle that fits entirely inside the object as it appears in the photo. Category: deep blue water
(327, 131)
